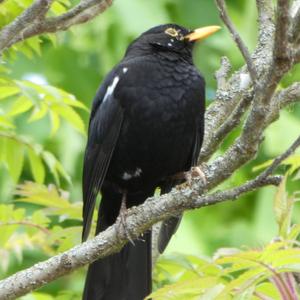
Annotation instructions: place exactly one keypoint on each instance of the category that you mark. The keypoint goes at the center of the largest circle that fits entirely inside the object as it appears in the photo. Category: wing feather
(105, 125)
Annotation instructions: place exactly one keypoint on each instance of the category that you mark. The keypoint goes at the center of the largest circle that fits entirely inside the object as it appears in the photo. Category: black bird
(146, 125)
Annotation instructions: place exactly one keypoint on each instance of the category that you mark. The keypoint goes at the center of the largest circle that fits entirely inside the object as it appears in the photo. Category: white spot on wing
(128, 175)
(137, 172)
(125, 70)
(111, 88)
(169, 44)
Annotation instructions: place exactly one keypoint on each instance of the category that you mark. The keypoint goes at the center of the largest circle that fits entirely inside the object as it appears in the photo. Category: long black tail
(125, 275)
(169, 226)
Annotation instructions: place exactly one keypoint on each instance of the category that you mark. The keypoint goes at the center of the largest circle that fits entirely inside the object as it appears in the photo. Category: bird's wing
(197, 144)
(104, 128)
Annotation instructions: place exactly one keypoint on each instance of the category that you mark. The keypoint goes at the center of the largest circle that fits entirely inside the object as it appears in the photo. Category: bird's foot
(195, 172)
(121, 221)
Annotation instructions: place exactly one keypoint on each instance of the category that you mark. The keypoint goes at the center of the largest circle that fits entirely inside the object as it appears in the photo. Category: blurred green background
(78, 64)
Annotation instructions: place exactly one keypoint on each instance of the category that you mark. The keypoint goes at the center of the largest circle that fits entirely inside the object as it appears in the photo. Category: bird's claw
(121, 221)
(195, 172)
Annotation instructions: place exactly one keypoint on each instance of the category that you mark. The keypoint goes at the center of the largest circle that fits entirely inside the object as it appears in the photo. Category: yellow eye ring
(172, 32)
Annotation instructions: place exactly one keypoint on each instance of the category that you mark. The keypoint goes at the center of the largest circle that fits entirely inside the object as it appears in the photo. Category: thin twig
(222, 74)
(37, 10)
(294, 33)
(261, 179)
(265, 18)
(220, 134)
(26, 223)
(81, 13)
(282, 99)
(281, 31)
(243, 48)
(288, 95)
(278, 160)
(296, 56)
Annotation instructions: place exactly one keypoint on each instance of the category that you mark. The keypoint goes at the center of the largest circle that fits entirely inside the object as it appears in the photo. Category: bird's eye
(172, 32)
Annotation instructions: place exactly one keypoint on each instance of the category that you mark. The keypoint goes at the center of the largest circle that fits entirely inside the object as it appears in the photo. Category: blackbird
(146, 125)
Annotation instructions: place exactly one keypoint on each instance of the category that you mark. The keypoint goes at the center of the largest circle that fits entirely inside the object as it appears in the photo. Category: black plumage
(146, 125)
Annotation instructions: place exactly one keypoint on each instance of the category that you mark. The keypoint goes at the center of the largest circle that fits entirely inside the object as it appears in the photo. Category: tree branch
(222, 74)
(114, 238)
(228, 98)
(265, 16)
(284, 98)
(138, 220)
(26, 223)
(294, 33)
(289, 95)
(36, 11)
(236, 37)
(83, 12)
(281, 31)
(232, 121)
(296, 55)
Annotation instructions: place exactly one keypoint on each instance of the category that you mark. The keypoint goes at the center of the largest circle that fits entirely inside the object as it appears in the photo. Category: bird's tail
(125, 275)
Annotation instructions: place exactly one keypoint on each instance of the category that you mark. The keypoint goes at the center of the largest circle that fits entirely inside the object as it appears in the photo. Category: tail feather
(169, 226)
(125, 275)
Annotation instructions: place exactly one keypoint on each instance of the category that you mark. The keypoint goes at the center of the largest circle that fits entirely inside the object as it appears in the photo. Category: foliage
(262, 273)
(35, 221)
(21, 229)
(24, 96)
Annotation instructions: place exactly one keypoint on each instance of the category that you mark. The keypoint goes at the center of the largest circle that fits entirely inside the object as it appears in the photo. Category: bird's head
(170, 38)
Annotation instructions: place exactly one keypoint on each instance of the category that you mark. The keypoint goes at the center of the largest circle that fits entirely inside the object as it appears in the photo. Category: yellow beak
(201, 33)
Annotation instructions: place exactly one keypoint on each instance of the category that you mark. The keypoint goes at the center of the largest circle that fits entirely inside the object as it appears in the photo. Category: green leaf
(39, 217)
(294, 232)
(14, 158)
(293, 161)
(6, 91)
(30, 91)
(267, 289)
(50, 197)
(58, 8)
(68, 237)
(283, 206)
(39, 194)
(55, 166)
(213, 292)
(37, 296)
(12, 153)
(55, 122)
(21, 105)
(70, 115)
(35, 44)
(53, 38)
(38, 112)
(37, 167)
(188, 289)
(6, 123)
